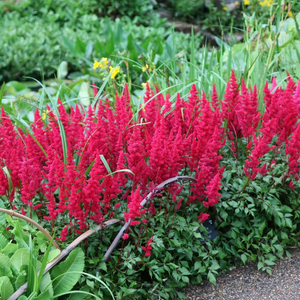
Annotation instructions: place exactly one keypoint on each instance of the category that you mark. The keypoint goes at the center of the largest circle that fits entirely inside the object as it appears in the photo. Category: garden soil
(247, 283)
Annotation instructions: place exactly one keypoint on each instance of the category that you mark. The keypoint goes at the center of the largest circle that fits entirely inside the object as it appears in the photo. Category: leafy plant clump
(99, 162)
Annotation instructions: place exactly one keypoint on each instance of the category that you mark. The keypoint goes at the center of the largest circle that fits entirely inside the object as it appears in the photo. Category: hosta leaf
(6, 288)
(73, 263)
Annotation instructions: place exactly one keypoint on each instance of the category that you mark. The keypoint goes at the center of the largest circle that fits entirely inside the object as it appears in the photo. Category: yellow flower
(144, 84)
(44, 115)
(96, 64)
(225, 8)
(114, 71)
(246, 2)
(102, 63)
(290, 15)
(144, 69)
(266, 3)
(104, 60)
(237, 3)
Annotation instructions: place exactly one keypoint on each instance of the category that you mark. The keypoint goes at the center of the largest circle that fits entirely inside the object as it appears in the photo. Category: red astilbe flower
(148, 247)
(136, 157)
(260, 148)
(293, 151)
(93, 190)
(202, 217)
(208, 166)
(193, 106)
(123, 110)
(296, 98)
(11, 148)
(215, 102)
(134, 207)
(248, 113)
(230, 106)
(150, 108)
(212, 190)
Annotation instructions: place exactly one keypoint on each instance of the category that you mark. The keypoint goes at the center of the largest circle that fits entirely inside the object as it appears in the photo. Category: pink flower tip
(202, 217)
(125, 236)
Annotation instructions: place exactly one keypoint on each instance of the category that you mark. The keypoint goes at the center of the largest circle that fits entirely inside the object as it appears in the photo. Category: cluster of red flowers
(159, 141)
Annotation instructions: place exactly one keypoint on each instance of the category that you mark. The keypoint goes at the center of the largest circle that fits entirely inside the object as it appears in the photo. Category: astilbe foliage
(188, 137)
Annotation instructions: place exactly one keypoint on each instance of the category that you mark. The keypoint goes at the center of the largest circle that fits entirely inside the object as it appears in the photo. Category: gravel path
(247, 283)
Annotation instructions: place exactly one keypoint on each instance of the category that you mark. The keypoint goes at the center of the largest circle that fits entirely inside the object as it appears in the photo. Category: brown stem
(44, 231)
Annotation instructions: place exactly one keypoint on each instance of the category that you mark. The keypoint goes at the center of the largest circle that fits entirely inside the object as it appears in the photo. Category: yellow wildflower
(114, 71)
(143, 85)
(44, 115)
(103, 63)
(266, 3)
(246, 2)
(237, 3)
(225, 8)
(290, 15)
(144, 69)
(96, 64)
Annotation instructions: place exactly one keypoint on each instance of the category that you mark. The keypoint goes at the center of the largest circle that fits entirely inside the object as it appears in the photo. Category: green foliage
(187, 9)
(20, 262)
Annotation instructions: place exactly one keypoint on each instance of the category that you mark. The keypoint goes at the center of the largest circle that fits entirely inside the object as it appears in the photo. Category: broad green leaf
(3, 241)
(6, 288)
(21, 279)
(44, 296)
(20, 258)
(9, 249)
(46, 284)
(53, 254)
(63, 279)
(4, 261)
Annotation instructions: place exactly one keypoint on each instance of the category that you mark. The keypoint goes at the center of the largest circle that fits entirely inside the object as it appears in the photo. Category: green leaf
(46, 284)
(20, 258)
(244, 258)
(3, 241)
(9, 249)
(211, 277)
(6, 288)
(260, 265)
(214, 266)
(184, 271)
(269, 262)
(4, 261)
(63, 279)
(44, 296)
(2, 92)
